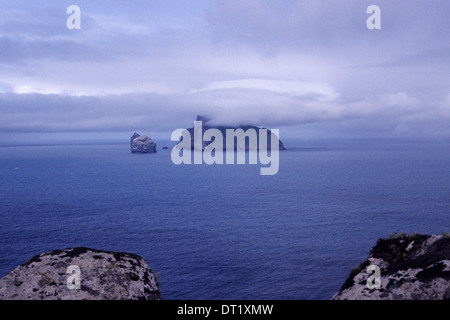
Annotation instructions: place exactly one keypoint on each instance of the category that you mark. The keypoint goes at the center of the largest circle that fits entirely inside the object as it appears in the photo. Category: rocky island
(412, 267)
(206, 125)
(102, 275)
(142, 144)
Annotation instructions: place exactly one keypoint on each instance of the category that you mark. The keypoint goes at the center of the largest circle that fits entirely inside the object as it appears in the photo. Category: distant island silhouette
(222, 128)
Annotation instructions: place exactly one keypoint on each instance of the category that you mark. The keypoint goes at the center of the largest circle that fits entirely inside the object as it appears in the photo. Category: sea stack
(142, 144)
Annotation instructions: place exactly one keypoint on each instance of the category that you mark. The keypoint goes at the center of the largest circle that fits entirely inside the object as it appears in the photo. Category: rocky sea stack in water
(413, 267)
(142, 144)
(103, 275)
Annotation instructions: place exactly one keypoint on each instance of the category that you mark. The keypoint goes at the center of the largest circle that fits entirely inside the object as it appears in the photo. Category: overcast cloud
(309, 67)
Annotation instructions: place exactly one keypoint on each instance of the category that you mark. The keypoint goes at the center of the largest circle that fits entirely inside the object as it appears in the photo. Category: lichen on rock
(413, 267)
(103, 275)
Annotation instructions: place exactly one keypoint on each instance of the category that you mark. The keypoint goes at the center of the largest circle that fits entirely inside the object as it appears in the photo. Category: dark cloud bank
(308, 67)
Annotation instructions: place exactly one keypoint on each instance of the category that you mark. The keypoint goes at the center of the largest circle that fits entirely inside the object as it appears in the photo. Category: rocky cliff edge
(412, 267)
(81, 274)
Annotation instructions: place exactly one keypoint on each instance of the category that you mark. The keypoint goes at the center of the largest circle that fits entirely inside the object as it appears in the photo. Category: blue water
(225, 232)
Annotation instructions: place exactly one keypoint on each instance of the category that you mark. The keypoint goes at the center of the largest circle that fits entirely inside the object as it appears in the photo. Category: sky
(310, 68)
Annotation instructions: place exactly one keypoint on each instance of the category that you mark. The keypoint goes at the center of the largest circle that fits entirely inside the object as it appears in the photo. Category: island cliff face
(223, 129)
(142, 144)
(103, 275)
(414, 267)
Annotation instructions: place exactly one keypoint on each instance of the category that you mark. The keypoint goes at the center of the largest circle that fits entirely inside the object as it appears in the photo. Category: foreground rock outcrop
(414, 267)
(81, 274)
(142, 144)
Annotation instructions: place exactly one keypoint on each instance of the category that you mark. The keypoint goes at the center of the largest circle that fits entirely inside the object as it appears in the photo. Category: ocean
(225, 231)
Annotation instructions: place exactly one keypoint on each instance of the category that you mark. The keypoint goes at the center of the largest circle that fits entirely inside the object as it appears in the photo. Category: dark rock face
(142, 144)
(415, 267)
(223, 130)
(134, 136)
(103, 275)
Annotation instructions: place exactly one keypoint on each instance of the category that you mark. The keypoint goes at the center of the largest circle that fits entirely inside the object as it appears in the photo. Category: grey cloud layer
(156, 65)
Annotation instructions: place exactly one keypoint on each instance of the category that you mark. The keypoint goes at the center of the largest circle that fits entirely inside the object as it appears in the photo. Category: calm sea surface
(225, 232)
